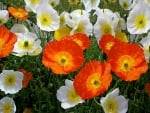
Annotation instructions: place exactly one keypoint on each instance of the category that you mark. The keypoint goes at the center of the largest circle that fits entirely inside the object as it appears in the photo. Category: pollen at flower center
(52, 4)
(111, 105)
(140, 21)
(80, 28)
(72, 96)
(18, 14)
(126, 62)
(62, 20)
(63, 58)
(10, 80)
(33, 2)
(25, 44)
(7, 107)
(92, 1)
(45, 19)
(93, 81)
(106, 29)
(125, 4)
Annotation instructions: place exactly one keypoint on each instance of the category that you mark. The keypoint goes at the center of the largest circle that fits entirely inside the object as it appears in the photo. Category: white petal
(123, 104)
(62, 94)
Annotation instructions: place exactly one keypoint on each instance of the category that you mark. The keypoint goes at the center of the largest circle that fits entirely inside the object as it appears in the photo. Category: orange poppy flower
(106, 42)
(127, 60)
(93, 80)
(147, 88)
(80, 38)
(63, 56)
(19, 13)
(26, 78)
(7, 41)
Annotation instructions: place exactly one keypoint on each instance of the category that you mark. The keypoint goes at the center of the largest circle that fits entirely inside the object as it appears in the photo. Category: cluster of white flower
(10, 83)
(27, 42)
(112, 103)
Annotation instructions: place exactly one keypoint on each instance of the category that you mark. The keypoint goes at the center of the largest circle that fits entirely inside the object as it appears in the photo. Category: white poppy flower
(126, 4)
(121, 22)
(67, 95)
(47, 18)
(146, 46)
(74, 17)
(90, 4)
(7, 105)
(19, 28)
(11, 81)
(105, 24)
(83, 25)
(27, 43)
(31, 5)
(4, 16)
(114, 103)
(66, 19)
(138, 20)
(75, 14)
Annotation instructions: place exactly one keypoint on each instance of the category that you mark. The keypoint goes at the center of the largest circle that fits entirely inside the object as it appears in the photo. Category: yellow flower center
(106, 29)
(92, 1)
(45, 19)
(63, 58)
(125, 4)
(126, 62)
(111, 105)
(18, 14)
(80, 28)
(53, 3)
(62, 20)
(72, 96)
(34, 2)
(94, 82)
(140, 21)
(58, 34)
(10, 80)
(7, 107)
(25, 44)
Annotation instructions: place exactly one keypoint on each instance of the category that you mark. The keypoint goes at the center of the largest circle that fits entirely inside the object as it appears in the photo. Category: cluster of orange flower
(125, 59)
(66, 55)
(19, 13)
